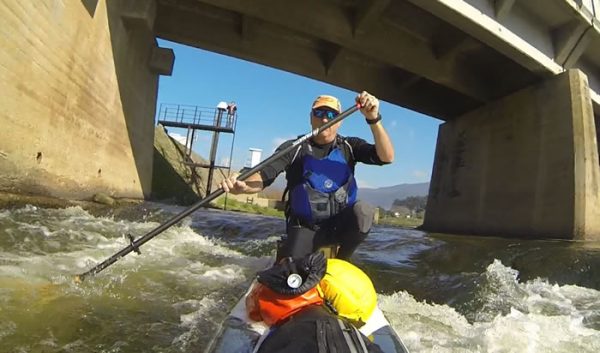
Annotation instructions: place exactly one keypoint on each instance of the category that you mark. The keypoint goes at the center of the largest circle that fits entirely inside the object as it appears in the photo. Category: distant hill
(384, 197)
(381, 197)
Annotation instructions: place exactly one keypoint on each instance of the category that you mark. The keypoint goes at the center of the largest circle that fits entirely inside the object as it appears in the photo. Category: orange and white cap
(327, 101)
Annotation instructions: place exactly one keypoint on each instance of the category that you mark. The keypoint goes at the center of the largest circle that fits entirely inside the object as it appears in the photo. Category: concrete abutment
(525, 166)
(79, 88)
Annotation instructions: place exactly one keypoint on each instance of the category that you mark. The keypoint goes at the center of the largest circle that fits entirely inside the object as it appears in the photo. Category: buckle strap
(354, 339)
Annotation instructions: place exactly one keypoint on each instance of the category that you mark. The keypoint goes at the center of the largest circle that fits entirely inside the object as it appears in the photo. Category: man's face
(319, 117)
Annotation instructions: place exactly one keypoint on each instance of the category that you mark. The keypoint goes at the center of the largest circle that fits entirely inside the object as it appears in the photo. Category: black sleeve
(270, 172)
(364, 152)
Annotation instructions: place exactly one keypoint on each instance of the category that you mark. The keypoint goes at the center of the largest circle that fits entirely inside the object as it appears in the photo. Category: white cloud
(278, 141)
(363, 184)
(421, 174)
(224, 162)
(203, 138)
(179, 138)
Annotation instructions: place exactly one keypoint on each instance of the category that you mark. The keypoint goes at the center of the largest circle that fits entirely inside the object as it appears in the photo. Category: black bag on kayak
(315, 330)
(295, 276)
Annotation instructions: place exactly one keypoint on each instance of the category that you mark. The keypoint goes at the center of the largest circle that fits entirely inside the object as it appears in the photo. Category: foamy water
(535, 316)
(173, 297)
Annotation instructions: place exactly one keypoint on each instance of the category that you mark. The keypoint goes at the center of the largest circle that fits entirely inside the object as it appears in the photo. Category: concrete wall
(77, 99)
(525, 165)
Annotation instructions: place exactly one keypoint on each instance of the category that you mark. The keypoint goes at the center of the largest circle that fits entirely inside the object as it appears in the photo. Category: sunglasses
(324, 113)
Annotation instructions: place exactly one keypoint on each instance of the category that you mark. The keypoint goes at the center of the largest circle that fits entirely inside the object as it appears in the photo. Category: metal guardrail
(196, 115)
(191, 117)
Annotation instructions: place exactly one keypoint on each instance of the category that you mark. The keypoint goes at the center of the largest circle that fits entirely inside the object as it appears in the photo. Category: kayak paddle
(134, 244)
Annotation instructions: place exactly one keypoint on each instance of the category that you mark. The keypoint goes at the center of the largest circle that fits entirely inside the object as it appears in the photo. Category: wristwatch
(374, 121)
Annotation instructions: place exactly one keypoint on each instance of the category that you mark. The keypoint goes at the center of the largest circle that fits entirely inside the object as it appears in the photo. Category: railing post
(200, 119)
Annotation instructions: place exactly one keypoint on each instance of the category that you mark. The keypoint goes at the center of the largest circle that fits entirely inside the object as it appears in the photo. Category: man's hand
(370, 109)
(251, 185)
(369, 105)
(234, 186)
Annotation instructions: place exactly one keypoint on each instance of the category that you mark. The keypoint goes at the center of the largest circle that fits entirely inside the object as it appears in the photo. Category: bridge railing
(196, 115)
(593, 6)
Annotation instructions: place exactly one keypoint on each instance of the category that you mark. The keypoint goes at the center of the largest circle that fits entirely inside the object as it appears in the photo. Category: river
(441, 293)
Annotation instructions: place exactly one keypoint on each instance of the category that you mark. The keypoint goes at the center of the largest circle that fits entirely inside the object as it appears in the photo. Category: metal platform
(193, 125)
(197, 118)
(193, 118)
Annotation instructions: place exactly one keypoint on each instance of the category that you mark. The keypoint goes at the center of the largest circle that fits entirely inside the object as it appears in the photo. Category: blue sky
(274, 106)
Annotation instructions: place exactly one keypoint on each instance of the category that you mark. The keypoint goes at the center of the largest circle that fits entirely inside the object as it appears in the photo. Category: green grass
(234, 205)
(401, 221)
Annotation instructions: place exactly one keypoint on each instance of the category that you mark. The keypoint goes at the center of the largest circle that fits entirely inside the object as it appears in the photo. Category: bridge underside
(395, 49)
(431, 56)
(517, 155)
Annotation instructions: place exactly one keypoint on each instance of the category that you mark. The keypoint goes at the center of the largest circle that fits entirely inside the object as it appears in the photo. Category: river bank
(101, 202)
(104, 203)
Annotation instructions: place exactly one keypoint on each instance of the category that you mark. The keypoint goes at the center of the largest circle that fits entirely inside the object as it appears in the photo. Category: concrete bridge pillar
(525, 166)
(79, 81)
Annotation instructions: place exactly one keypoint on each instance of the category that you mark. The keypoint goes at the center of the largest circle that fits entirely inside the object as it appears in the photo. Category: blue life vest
(328, 186)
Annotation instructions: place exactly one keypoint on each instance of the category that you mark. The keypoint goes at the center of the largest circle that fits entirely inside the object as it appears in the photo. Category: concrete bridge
(516, 82)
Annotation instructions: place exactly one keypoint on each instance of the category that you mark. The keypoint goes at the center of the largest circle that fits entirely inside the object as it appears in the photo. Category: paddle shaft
(135, 244)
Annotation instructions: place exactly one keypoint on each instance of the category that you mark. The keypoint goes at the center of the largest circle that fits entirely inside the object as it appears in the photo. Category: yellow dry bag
(349, 291)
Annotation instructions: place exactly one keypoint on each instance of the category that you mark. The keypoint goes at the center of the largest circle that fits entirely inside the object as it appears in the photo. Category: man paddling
(322, 207)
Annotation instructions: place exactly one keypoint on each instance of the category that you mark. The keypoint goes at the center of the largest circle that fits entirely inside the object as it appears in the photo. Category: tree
(413, 203)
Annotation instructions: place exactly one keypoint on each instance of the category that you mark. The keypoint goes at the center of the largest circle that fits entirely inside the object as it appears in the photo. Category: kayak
(240, 334)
